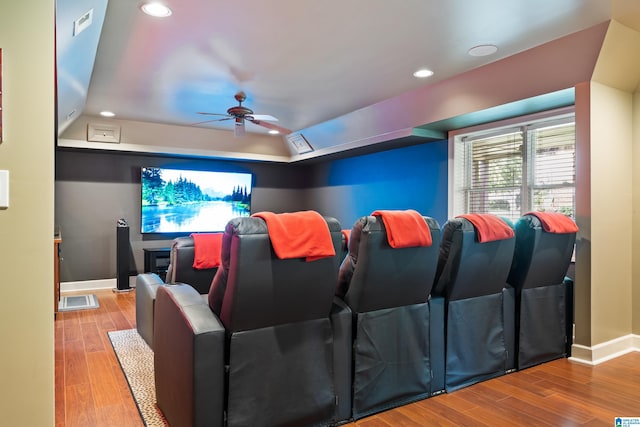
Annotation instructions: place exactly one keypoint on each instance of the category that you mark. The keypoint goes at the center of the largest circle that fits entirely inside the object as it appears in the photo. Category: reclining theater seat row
(516, 285)
(285, 348)
(270, 348)
(508, 304)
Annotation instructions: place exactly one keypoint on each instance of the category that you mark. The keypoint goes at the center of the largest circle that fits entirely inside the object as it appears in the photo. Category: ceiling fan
(240, 113)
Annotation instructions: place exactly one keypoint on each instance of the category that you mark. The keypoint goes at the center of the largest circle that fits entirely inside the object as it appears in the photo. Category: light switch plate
(4, 189)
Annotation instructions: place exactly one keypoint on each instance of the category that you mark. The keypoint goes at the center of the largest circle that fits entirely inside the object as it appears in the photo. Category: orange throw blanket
(489, 227)
(298, 235)
(555, 222)
(405, 229)
(206, 250)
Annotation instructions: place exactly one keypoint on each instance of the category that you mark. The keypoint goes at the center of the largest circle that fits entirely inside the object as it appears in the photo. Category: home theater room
(293, 213)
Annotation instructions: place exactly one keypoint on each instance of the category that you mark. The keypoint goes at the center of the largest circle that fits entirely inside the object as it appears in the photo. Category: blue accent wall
(412, 177)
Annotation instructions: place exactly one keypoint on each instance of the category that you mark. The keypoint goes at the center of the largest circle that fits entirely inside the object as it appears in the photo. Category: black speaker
(122, 258)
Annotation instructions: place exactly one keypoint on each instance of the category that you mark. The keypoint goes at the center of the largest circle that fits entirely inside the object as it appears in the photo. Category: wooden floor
(91, 390)
(90, 387)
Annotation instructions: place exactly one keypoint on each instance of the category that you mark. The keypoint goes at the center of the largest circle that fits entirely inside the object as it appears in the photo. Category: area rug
(78, 302)
(136, 361)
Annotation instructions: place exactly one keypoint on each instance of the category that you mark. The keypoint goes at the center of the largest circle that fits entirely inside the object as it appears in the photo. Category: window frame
(456, 205)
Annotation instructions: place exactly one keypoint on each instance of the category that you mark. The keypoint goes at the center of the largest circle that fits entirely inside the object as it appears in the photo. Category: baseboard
(93, 285)
(605, 351)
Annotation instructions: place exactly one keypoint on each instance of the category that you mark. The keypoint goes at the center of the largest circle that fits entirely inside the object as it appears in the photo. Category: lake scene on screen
(192, 201)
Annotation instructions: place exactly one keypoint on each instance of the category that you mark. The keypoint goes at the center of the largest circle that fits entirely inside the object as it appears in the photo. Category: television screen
(190, 201)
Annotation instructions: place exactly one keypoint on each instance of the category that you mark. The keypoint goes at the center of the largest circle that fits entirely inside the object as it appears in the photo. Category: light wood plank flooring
(90, 387)
(91, 390)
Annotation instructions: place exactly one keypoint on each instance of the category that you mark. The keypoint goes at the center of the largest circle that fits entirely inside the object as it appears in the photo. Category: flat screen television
(192, 201)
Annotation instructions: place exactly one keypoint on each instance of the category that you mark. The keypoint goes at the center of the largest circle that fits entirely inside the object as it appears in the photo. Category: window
(511, 170)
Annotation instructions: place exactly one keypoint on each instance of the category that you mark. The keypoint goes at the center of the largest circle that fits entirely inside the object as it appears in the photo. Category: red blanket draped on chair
(555, 222)
(489, 227)
(405, 229)
(302, 234)
(206, 250)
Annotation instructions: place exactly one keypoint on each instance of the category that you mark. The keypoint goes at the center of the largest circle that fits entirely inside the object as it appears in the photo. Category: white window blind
(553, 169)
(511, 171)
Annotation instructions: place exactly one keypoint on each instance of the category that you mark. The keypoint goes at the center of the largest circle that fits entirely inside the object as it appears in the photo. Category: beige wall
(611, 225)
(582, 301)
(26, 227)
(161, 138)
(619, 67)
(635, 255)
(608, 193)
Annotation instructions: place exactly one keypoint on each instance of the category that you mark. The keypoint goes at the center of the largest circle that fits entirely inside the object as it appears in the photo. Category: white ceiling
(303, 62)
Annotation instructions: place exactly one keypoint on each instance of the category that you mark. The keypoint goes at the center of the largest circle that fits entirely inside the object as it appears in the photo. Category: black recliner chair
(472, 277)
(387, 289)
(544, 297)
(180, 270)
(271, 347)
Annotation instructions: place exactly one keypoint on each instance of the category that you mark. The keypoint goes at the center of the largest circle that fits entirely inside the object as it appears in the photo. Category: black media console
(156, 260)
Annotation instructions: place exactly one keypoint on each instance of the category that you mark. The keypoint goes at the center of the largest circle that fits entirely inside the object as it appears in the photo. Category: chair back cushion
(375, 276)
(541, 258)
(181, 266)
(253, 288)
(468, 268)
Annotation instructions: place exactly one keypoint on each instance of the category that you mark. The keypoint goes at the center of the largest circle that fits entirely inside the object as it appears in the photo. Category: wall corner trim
(605, 351)
(87, 285)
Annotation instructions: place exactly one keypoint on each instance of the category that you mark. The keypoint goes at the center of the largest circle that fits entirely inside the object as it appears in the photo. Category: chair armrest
(189, 358)
(147, 285)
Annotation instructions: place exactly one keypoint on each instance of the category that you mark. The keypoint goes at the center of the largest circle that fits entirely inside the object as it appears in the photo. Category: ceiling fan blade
(210, 121)
(212, 114)
(266, 117)
(283, 131)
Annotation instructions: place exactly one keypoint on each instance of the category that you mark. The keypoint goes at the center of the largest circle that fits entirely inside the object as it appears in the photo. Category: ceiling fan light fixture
(238, 129)
(483, 50)
(156, 9)
(423, 73)
(107, 113)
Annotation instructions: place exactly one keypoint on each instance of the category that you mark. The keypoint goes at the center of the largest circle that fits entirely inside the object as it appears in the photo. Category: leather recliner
(544, 298)
(472, 277)
(180, 270)
(271, 347)
(398, 340)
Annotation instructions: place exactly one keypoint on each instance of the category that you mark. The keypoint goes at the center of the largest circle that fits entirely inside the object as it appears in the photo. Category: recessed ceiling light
(273, 132)
(483, 50)
(156, 9)
(422, 73)
(107, 113)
